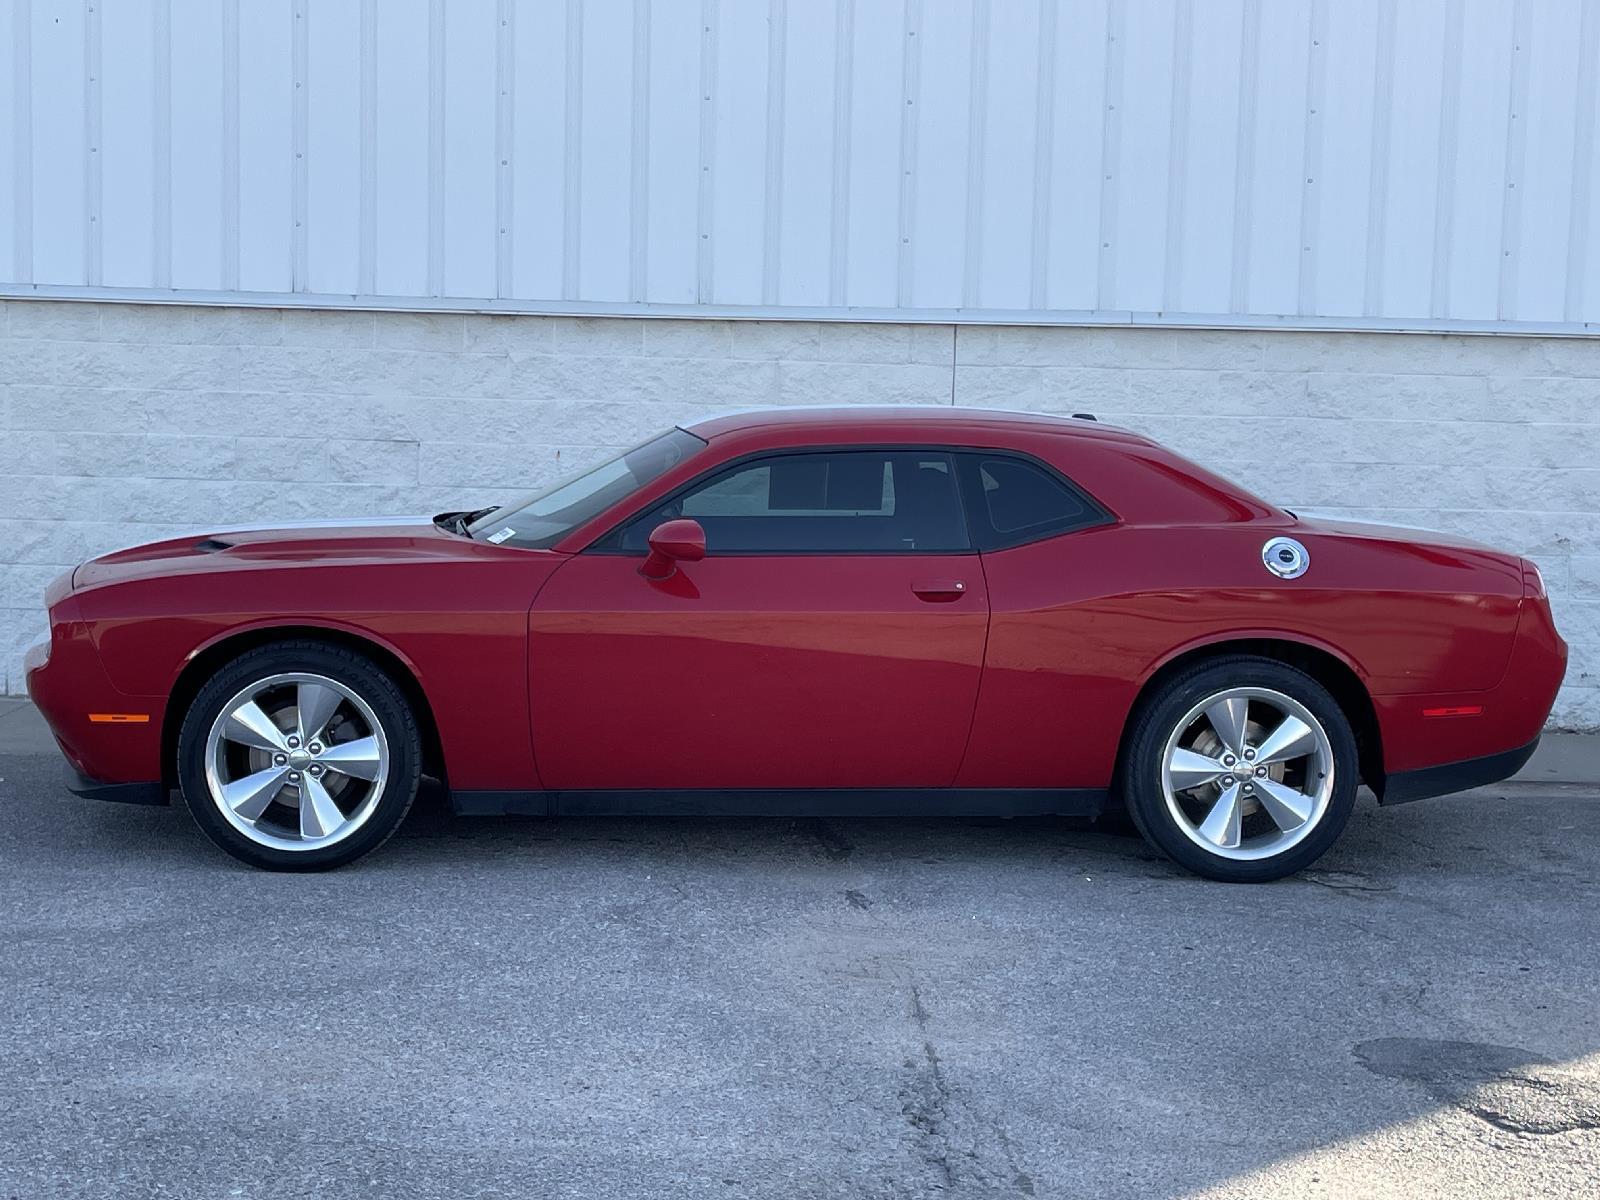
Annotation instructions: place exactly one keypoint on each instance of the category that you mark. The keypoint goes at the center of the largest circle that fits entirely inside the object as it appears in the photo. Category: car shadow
(1042, 839)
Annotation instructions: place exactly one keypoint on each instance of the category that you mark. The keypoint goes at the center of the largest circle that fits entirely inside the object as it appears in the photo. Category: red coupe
(846, 612)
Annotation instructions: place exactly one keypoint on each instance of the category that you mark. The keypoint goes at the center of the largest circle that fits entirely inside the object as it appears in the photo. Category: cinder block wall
(121, 423)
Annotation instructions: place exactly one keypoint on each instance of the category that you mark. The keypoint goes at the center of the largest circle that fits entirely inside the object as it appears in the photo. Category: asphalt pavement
(744, 1008)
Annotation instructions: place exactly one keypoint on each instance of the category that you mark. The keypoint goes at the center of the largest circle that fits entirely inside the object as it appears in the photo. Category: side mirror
(671, 542)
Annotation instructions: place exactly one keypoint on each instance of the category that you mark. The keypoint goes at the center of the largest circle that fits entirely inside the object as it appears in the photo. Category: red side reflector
(119, 718)
(1459, 710)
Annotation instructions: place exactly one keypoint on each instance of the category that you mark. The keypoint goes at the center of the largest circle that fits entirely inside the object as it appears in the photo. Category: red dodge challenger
(824, 611)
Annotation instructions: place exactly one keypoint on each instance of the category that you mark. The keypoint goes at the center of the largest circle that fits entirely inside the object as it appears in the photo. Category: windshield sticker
(502, 535)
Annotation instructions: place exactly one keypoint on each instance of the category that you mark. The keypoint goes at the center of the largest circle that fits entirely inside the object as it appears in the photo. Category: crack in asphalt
(1345, 881)
(929, 1104)
(925, 1102)
(833, 844)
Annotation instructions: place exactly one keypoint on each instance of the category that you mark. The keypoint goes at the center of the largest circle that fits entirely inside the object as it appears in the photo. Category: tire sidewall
(356, 672)
(1142, 767)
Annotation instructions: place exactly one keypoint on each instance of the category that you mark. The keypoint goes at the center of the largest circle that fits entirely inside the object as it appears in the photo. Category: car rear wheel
(1241, 769)
(299, 756)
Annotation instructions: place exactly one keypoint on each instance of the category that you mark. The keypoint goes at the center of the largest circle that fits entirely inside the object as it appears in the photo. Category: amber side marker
(120, 718)
(1460, 710)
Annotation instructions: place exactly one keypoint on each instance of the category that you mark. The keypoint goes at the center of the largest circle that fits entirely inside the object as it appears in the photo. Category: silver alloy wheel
(1247, 773)
(296, 761)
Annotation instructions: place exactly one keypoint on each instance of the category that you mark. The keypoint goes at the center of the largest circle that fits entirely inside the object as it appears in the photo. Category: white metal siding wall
(1363, 163)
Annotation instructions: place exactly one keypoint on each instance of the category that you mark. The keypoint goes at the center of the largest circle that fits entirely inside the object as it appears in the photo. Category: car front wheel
(299, 756)
(1241, 769)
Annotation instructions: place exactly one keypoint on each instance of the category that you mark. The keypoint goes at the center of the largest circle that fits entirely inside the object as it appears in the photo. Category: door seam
(527, 666)
(983, 671)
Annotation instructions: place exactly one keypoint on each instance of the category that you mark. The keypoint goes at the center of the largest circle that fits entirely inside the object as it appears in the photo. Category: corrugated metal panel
(1356, 163)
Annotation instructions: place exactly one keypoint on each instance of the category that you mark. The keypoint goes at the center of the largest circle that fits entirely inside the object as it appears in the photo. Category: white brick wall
(122, 423)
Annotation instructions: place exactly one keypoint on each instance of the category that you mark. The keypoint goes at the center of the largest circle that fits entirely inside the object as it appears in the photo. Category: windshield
(544, 518)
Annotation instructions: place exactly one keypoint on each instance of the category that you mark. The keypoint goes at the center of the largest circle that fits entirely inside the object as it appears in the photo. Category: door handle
(940, 591)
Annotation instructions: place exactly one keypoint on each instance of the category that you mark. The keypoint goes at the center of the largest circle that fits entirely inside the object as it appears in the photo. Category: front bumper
(1402, 786)
(80, 784)
(109, 739)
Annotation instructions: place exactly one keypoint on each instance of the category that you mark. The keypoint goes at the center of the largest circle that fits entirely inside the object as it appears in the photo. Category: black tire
(1154, 722)
(362, 676)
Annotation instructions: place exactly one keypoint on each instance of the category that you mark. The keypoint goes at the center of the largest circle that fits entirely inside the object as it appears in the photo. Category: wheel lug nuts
(1261, 771)
(1227, 760)
(1249, 787)
(316, 772)
(1250, 754)
(315, 747)
(280, 759)
(293, 742)
(1227, 781)
(294, 776)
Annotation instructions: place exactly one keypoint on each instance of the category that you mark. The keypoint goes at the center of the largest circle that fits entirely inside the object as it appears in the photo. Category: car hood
(307, 544)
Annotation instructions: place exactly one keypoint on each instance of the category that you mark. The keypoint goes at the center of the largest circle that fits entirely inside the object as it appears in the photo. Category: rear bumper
(1455, 777)
(80, 784)
(1434, 743)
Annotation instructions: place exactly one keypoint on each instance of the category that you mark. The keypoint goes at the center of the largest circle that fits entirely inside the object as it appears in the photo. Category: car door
(832, 636)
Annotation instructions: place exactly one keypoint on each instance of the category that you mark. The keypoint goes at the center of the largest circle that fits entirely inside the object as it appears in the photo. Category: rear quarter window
(1013, 500)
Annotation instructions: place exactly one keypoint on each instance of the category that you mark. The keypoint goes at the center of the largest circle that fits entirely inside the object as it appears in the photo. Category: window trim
(978, 526)
(980, 522)
(739, 462)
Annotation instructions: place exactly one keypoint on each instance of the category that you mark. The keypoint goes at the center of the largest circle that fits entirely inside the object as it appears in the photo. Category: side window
(1014, 500)
(832, 502)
